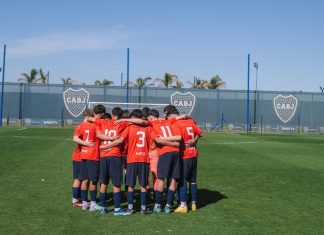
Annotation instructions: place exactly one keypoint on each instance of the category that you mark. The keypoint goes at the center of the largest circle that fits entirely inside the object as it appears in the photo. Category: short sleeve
(125, 133)
(78, 130)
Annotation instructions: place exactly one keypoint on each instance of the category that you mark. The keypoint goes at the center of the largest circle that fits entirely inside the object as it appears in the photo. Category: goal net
(129, 106)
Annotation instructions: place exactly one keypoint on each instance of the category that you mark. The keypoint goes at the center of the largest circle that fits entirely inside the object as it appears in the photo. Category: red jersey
(88, 134)
(189, 130)
(110, 128)
(164, 128)
(76, 156)
(138, 138)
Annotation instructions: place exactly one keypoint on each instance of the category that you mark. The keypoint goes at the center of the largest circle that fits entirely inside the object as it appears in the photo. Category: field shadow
(207, 197)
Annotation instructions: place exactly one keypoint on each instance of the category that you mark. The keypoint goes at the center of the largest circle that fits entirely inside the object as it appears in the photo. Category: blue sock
(93, 195)
(75, 192)
(130, 196)
(117, 199)
(158, 195)
(103, 199)
(84, 195)
(193, 190)
(183, 192)
(170, 197)
(143, 198)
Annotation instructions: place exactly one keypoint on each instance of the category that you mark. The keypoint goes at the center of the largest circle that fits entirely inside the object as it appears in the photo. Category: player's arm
(77, 140)
(172, 138)
(194, 141)
(91, 119)
(137, 121)
(163, 141)
(113, 144)
(102, 136)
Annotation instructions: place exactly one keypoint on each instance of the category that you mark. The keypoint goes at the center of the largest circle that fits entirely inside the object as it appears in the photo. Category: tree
(140, 82)
(29, 78)
(216, 82)
(104, 82)
(198, 83)
(68, 80)
(43, 77)
(167, 80)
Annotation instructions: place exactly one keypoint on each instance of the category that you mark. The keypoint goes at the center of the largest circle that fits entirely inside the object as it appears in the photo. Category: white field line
(35, 137)
(21, 129)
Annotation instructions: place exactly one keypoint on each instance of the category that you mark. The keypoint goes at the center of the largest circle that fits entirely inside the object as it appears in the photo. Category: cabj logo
(285, 107)
(185, 102)
(75, 101)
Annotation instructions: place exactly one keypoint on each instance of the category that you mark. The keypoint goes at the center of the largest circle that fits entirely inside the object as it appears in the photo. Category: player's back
(138, 143)
(89, 135)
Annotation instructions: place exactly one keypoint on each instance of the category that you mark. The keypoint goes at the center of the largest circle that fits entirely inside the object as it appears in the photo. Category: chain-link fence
(223, 110)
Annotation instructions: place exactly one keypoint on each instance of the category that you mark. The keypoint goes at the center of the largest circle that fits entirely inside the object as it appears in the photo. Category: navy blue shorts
(111, 168)
(169, 165)
(89, 170)
(76, 169)
(137, 169)
(189, 170)
(124, 161)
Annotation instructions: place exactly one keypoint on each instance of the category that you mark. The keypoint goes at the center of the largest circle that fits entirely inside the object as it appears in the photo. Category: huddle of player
(140, 142)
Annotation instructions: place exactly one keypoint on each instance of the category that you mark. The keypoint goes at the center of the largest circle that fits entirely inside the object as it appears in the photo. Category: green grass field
(248, 184)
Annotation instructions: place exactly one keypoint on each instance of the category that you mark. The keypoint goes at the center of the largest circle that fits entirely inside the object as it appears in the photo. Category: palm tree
(43, 77)
(104, 82)
(140, 83)
(216, 82)
(198, 83)
(167, 80)
(68, 80)
(29, 78)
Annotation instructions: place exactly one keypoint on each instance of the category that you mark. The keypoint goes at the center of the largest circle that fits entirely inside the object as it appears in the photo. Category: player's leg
(163, 171)
(104, 180)
(143, 172)
(174, 174)
(76, 193)
(84, 184)
(185, 174)
(130, 182)
(116, 179)
(93, 171)
(193, 185)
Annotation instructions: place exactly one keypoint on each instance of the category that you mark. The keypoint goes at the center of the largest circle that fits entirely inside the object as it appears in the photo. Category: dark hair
(154, 113)
(172, 110)
(137, 113)
(117, 111)
(168, 107)
(88, 113)
(126, 114)
(145, 111)
(106, 116)
(99, 108)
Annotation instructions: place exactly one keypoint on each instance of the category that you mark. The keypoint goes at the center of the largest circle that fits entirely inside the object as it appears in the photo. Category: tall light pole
(248, 98)
(256, 66)
(3, 78)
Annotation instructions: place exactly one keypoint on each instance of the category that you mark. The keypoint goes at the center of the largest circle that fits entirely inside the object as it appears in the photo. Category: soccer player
(89, 168)
(110, 160)
(137, 159)
(190, 134)
(169, 160)
(76, 162)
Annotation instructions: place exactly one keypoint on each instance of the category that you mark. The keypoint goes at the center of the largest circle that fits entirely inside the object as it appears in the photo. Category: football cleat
(157, 209)
(167, 209)
(103, 210)
(181, 209)
(77, 204)
(121, 212)
(130, 211)
(146, 212)
(85, 206)
(193, 207)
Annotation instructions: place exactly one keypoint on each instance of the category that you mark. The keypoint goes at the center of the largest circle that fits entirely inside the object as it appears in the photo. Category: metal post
(127, 81)
(248, 98)
(20, 104)
(298, 123)
(222, 122)
(256, 66)
(121, 79)
(3, 78)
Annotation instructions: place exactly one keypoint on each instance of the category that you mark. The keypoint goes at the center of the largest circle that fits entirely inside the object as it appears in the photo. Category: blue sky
(87, 40)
